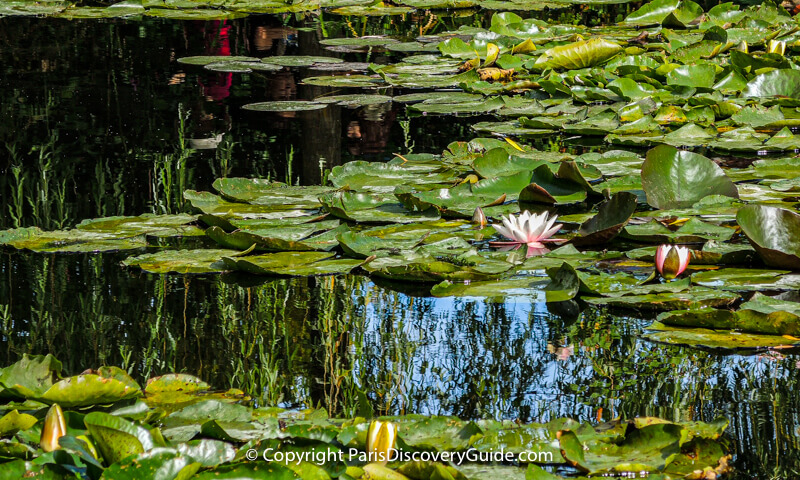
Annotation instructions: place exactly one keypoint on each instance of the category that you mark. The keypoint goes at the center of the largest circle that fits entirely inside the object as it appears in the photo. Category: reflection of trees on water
(305, 342)
(112, 105)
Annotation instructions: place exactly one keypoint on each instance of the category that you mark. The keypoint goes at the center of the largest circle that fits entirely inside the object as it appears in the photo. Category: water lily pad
(70, 241)
(647, 449)
(180, 261)
(501, 290)
(308, 237)
(156, 463)
(581, 54)
(299, 60)
(774, 233)
(13, 421)
(777, 83)
(116, 437)
(715, 339)
(366, 208)
(695, 297)
(174, 391)
(383, 178)
(291, 264)
(242, 67)
(343, 81)
(215, 205)
(611, 218)
(676, 179)
(30, 376)
(203, 60)
(285, 106)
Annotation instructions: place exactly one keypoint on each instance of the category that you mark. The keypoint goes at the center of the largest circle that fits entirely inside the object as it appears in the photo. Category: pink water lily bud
(671, 260)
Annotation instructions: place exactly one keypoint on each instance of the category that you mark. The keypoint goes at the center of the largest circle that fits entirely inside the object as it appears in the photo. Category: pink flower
(527, 229)
(671, 260)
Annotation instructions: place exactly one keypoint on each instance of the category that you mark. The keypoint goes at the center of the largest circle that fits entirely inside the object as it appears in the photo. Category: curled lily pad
(611, 218)
(774, 233)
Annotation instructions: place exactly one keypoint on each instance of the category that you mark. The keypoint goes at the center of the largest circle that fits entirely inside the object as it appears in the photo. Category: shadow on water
(98, 118)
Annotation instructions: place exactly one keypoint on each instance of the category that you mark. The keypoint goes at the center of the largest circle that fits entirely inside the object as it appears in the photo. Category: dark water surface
(91, 117)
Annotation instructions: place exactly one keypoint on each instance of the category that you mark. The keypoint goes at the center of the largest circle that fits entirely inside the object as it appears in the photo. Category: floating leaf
(774, 233)
(677, 179)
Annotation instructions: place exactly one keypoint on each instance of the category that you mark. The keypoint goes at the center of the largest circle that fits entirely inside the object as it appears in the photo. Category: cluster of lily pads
(226, 9)
(669, 73)
(423, 218)
(101, 424)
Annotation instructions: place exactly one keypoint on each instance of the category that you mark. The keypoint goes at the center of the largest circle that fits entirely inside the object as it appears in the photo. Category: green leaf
(581, 54)
(611, 218)
(647, 449)
(180, 261)
(672, 178)
(774, 233)
(777, 83)
(117, 438)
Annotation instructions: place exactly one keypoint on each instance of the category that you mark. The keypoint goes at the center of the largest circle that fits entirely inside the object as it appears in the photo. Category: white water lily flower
(528, 229)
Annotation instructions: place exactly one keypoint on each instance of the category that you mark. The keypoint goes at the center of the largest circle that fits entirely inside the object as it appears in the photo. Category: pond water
(92, 116)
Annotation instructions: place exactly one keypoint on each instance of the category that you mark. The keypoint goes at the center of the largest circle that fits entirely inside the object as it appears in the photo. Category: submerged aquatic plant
(528, 229)
(671, 260)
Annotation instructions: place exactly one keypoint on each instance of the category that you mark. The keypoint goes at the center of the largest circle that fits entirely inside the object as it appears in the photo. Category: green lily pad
(175, 391)
(117, 438)
(366, 208)
(611, 218)
(285, 106)
(695, 297)
(647, 449)
(203, 60)
(13, 421)
(774, 233)
(291, 264)
(299, 60)
(384, 178)
(581, 54)
(180, 261)
(677, 179)
(715, 339)
(777, 83)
